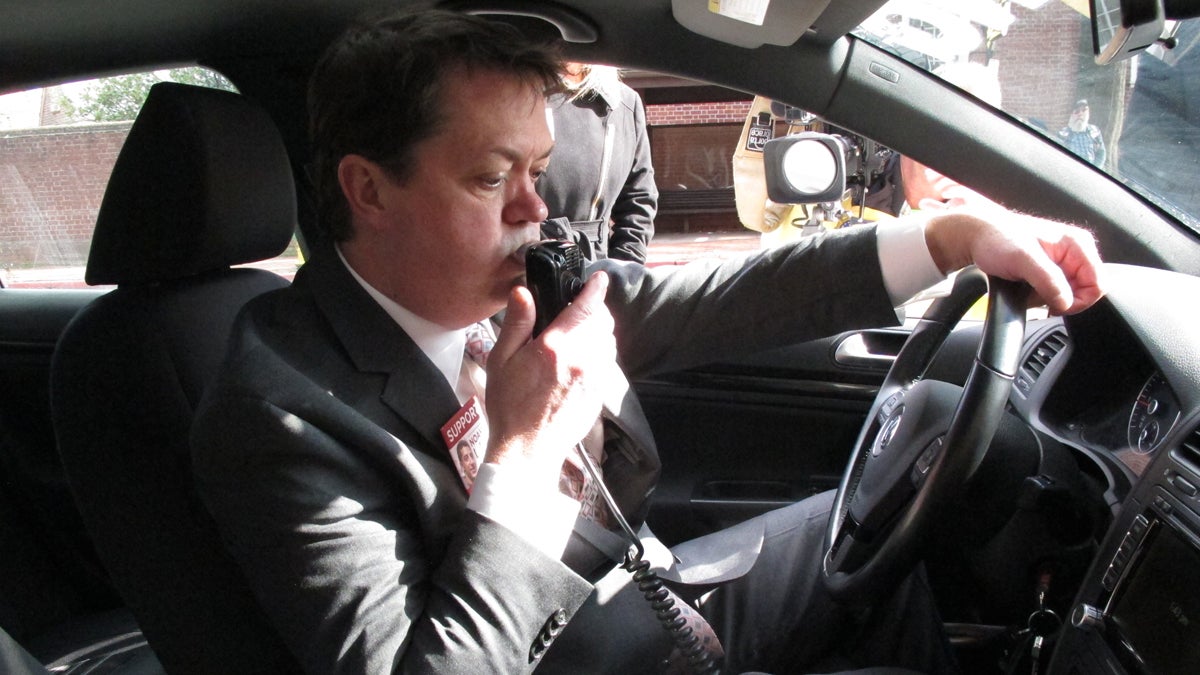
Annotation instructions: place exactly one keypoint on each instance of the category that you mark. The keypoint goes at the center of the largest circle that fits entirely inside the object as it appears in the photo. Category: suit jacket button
(558, 619)
(546, 635)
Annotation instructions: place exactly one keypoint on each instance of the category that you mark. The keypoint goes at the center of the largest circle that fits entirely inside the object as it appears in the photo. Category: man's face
(453, 227)
(1079, 116)
(467, 458)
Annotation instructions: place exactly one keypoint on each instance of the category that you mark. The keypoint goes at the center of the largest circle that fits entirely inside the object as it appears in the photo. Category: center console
(1139, 610)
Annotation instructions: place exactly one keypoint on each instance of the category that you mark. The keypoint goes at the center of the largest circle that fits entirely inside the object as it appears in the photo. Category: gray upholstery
(202, 183)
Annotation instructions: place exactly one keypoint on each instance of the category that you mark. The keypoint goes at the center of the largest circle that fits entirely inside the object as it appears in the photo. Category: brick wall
(1037, 35)
(51, 182)
(697, 113)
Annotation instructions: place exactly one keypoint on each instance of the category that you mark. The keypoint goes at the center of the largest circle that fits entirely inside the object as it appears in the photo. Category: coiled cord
(699, 660)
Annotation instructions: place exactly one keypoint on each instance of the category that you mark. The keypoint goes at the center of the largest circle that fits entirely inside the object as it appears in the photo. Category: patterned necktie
(472, 378)
(573, 481)
(479, 343)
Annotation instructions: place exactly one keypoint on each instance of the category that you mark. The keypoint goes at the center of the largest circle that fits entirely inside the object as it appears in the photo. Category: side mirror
(1124, 28)
(805, 168)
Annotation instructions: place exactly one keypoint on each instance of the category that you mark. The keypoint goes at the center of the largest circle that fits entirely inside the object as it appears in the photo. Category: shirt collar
(443, 346)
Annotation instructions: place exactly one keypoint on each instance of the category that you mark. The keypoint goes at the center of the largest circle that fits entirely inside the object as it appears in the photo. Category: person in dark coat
(601, 179)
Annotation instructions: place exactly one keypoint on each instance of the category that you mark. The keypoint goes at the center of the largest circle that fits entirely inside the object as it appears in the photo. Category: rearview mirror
(1123, 28)
(805, 168)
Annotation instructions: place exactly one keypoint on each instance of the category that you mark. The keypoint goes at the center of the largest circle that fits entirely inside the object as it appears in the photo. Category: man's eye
(492, 182)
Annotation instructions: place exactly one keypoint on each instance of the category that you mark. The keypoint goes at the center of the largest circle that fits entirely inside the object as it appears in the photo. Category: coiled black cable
(699, 660)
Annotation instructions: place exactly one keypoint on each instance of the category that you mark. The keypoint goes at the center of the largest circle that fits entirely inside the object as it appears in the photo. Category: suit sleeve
(635, 207)
(707, 311)
(358, 553)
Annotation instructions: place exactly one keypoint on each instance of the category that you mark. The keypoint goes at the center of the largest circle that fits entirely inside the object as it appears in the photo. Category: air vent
(1189, 450)
(1041, 356)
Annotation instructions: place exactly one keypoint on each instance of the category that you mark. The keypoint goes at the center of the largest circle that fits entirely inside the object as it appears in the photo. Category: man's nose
(525, 206)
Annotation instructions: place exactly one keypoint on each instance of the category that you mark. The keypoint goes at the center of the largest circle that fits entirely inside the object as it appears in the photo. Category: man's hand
(1059, 261)
(544, 395)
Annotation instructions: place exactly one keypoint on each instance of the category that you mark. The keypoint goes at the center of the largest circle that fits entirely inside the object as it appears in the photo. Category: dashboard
(1120, 384)
(1117, 382)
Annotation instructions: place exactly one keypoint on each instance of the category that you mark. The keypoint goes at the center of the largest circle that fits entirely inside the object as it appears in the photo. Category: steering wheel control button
(927, 458)
(889, 405)
(887, 433)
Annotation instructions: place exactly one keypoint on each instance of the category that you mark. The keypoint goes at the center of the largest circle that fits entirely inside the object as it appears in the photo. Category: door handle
(875, 349)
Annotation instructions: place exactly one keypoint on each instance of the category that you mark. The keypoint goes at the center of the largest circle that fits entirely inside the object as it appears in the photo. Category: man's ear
(363, 182)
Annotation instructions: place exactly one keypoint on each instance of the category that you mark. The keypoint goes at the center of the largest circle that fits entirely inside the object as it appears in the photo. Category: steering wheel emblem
(886, 434)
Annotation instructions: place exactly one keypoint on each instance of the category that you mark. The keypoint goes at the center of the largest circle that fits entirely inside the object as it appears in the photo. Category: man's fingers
(518, 325)
(585, 328)
(589, 302)
(1050, 286)
(1077, 258)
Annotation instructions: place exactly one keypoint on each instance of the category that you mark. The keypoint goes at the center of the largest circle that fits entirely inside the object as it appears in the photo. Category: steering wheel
(921, 441)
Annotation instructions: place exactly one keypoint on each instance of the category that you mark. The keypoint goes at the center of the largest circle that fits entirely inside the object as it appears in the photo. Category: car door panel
(48, 563)
(789, 416)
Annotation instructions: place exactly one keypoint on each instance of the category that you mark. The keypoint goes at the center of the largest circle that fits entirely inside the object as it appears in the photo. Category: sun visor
(749, 23)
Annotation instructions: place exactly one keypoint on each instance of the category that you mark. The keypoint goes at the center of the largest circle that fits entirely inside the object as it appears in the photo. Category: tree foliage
(119, 98)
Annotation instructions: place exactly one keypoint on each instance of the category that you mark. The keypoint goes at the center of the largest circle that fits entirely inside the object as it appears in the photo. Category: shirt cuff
(543, 517)
(904, 259)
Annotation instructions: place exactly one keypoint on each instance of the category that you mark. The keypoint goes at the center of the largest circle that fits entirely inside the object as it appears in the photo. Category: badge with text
(466, 436)
(762, 129)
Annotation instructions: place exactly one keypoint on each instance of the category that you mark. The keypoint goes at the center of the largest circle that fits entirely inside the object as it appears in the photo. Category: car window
(1136, 119)
(691, 147)
(58, 145)
(707, 158)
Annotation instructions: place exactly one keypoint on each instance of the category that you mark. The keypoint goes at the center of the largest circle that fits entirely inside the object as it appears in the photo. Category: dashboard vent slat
(1190, 448)
(1043, 354)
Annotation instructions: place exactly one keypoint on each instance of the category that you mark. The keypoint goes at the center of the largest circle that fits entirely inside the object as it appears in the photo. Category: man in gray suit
(323, 451)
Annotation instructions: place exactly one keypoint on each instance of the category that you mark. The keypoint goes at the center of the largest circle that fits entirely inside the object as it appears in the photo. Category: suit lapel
(421, 398)
(415, 391)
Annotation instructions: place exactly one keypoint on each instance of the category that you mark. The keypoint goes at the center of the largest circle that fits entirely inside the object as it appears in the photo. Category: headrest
(203, 182)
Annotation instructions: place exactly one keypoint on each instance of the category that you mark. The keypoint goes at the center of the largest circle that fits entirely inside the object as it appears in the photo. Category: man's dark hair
(376, 91)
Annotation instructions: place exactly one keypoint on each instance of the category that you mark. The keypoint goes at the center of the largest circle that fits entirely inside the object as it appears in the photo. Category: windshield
(1135, 119)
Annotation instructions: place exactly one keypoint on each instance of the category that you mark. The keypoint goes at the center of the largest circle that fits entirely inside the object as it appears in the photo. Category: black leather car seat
(203, 183)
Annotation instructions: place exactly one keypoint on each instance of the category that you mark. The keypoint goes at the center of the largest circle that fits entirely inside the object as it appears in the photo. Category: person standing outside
(601, 180)
(1081, 136)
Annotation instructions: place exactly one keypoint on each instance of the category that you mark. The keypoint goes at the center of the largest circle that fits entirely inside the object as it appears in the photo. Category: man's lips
(518, 255)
